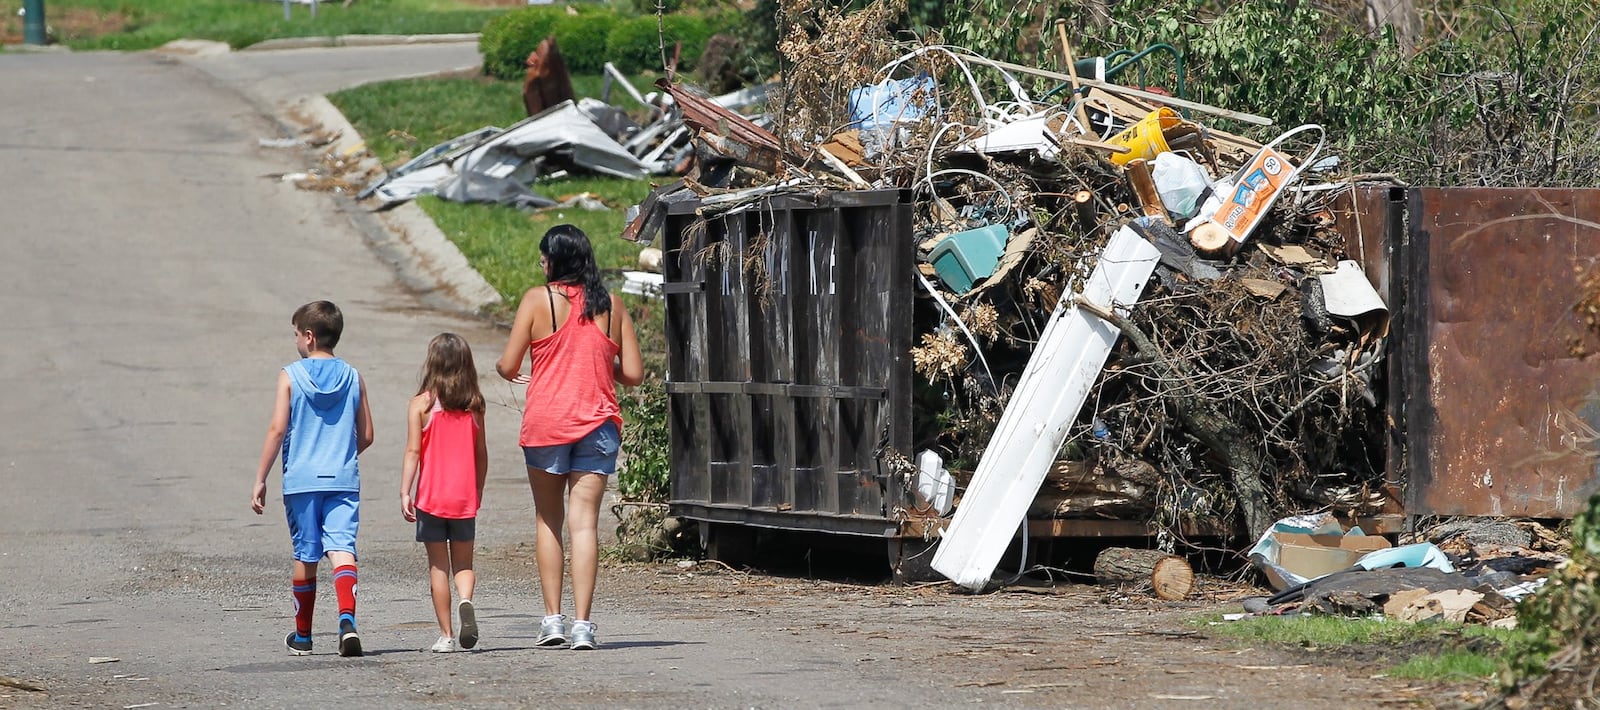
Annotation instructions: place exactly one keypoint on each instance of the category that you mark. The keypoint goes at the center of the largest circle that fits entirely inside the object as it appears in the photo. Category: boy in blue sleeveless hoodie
(320, 423)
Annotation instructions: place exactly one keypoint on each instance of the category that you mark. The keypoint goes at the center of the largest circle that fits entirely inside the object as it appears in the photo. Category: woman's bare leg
(549, 509)
(587, 489)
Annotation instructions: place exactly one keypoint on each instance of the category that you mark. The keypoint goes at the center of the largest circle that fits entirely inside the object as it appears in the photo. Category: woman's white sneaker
(552, 631)
(583, 636)
(445, 644)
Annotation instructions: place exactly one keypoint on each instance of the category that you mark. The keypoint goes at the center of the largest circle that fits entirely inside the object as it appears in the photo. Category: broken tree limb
(1224, 437)
(1169, 576)
(1211, 240)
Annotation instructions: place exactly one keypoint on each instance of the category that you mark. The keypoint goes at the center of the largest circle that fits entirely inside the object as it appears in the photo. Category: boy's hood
(323, 381)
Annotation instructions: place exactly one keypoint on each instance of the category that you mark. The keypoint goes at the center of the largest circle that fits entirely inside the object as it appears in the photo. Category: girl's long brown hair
(450, 375)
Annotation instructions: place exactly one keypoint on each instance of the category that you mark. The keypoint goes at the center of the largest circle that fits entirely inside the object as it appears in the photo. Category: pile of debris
(1244, 388)
(562, 135)
(1466, 571)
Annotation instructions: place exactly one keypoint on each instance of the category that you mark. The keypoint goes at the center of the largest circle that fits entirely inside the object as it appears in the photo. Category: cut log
(1210, 239)
(1083, 206)
(1169, 576)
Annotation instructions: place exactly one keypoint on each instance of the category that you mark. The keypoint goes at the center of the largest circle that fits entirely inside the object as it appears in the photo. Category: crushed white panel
(1053, 388)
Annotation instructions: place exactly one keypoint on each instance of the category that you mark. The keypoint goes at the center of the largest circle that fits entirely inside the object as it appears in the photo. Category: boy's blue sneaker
(298, 645)
(349, 641)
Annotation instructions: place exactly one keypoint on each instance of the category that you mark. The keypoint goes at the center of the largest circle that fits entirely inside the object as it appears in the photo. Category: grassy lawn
(128, 25)
(400, 119)
(1436, 651)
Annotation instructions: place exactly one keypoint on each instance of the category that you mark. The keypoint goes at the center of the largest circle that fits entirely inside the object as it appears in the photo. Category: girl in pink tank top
(580, 344)
(441, 481)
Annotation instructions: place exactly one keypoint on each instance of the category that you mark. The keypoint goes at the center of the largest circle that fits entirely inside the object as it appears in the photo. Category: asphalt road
(149, 270)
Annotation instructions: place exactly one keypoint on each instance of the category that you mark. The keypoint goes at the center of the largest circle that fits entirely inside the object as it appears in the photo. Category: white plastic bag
(1180, 182)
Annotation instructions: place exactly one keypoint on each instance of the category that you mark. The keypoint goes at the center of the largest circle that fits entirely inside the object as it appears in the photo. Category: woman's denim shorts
(596, 452)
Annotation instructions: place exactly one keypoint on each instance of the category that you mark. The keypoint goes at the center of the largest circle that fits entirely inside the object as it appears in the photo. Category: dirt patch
(65, 24)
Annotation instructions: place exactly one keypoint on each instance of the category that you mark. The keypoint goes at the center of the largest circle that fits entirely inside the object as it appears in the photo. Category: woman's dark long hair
(570, 260)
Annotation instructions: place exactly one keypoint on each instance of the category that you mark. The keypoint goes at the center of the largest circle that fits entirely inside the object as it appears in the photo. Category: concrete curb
(358, 41)
(35, 48)
(422, 256)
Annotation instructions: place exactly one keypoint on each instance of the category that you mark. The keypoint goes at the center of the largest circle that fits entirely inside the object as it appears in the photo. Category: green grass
(1450, 665)
(502, 243)
(1432, 651)
(1325, 631)
(240, 23)
(400, 119)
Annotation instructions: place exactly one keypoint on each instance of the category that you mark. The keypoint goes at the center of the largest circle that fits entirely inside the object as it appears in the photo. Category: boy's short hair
(323, 319)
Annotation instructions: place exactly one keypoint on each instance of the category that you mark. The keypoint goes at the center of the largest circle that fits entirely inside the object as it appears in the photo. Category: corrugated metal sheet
(1499, 410)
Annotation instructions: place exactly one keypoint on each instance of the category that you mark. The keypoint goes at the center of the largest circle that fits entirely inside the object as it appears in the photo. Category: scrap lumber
(1169, 576)
(547, 83)
(1144, 188)
(1139, 93)
(728, 132)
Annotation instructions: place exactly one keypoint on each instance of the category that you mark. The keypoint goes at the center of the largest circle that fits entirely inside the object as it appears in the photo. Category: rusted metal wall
(1499, 404)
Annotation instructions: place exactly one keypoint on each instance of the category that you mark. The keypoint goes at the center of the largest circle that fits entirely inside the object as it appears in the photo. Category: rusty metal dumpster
(1494, 383)
(788, 328)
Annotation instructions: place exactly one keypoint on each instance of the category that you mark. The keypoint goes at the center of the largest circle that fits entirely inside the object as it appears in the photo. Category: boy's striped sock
(344, 585)
(305, 598)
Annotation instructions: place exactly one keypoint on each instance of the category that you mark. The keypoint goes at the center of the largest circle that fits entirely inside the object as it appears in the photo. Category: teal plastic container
(965, 257)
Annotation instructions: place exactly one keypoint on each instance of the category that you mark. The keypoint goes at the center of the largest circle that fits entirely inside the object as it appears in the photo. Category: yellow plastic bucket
(1145, 139)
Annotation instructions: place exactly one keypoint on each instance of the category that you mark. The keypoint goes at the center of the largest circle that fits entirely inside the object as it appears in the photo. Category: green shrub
(693, 31)
(635, 43)
(1557, 653)
(647, 466)
(507, 40)
(582, 39)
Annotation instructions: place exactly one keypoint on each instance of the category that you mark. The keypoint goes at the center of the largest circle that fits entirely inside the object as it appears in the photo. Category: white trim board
(1033, 426)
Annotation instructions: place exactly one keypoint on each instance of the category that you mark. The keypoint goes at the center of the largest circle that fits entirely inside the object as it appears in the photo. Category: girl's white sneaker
(445, 644)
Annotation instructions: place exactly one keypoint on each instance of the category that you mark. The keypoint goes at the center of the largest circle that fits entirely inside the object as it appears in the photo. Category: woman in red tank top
(580, 343)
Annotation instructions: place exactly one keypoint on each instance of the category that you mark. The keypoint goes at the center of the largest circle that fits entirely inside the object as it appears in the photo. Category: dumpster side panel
(771, 360)
(1373, 222)
(688, 434)
(789, 337)
(1504, 405)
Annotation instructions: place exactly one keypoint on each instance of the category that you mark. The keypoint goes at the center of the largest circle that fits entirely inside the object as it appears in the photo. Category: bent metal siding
(1495, 379)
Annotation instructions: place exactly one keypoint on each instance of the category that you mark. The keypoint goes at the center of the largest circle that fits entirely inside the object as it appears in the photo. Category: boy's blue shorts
(596, 452)
(322, 522)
